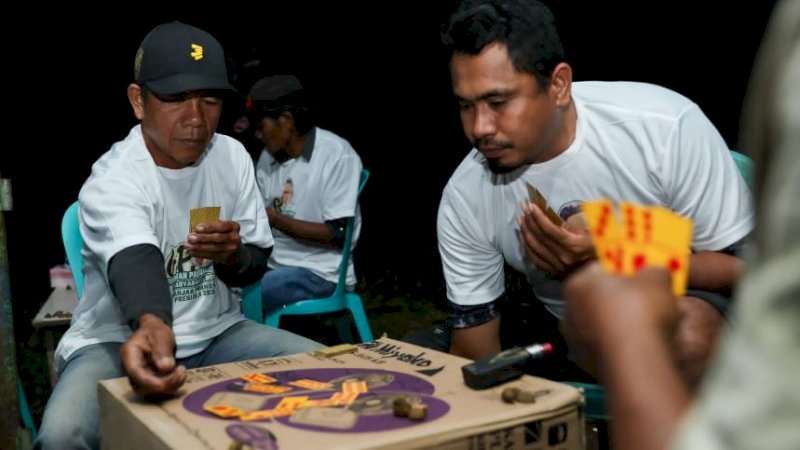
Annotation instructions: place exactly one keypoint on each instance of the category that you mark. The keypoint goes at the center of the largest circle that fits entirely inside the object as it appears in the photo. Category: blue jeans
(72, 415)
(291, 284)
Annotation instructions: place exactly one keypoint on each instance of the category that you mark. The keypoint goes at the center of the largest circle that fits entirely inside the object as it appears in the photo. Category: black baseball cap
(175, 58)
(270, 94)
(274, 88)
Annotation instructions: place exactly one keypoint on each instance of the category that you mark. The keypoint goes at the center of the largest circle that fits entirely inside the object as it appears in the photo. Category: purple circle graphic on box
(371, 411)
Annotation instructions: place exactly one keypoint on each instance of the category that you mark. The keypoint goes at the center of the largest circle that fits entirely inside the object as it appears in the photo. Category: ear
(136, 100)
(561, 84)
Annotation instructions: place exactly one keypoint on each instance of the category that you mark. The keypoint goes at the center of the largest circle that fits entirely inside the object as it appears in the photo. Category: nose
(483, 124)
(193, 112)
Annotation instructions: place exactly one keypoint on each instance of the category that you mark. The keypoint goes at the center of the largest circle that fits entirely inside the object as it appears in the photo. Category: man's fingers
(150, 367)
(539, 253)
(133, 355)
(548, 229)
(199, 239)
(162, 355)
(212, 248)
(555, 238)
(218, 226)
(149, 383)
(214, 240)
(148, 357)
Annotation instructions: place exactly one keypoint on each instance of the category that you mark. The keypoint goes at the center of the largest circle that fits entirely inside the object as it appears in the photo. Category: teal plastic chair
(745, 165)
(251, 302)
(595, 397)
(25, 412)
(340, 300)
(73, 243)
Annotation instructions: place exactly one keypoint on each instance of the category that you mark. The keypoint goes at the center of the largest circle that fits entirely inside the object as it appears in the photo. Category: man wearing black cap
(157, 295)
(309, 181)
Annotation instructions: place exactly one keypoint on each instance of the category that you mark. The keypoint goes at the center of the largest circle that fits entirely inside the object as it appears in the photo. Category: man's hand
(272, 216)
(148, 358)
(604, 311)
(554, 249)
(218, 241)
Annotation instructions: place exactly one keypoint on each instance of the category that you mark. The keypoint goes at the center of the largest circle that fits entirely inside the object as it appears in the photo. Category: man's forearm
(137, 278)
(302, 229)
(477, 342)
(644, 390)
(714, 271)
(245, 267)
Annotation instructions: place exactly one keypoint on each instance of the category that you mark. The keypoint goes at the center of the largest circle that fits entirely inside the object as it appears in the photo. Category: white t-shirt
(315, 187)
(127, 201)
(634, 142)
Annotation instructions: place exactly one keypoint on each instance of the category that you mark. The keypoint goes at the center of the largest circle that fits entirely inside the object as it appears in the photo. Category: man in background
(309, 179)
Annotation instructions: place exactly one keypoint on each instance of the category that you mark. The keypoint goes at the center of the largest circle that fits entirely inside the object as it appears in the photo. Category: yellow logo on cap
(197, 52)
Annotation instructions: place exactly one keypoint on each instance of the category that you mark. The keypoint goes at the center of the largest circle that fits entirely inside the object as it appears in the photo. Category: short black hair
(526, 27)
(296, 104)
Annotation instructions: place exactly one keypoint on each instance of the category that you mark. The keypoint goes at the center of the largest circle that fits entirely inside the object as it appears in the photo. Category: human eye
(170, 98)
(497, 103)
(211, 101)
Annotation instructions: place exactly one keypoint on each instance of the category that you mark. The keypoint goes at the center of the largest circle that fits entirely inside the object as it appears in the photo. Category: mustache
(491, 143)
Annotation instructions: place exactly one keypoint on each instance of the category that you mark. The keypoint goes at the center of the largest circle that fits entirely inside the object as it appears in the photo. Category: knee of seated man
(695, 338)
(698, 327)
(67, 432)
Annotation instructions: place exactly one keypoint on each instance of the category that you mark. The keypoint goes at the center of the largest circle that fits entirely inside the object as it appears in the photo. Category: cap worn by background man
(274, 87)
(270, 94)
(175, 58)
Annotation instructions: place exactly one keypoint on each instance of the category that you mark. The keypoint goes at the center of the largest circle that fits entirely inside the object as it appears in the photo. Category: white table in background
(55, 313)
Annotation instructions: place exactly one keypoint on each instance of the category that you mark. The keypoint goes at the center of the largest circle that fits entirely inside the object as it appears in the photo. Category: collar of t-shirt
(281, 156)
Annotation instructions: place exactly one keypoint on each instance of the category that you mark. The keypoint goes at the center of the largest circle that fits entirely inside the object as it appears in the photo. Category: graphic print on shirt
(187, 279)
(282, 203)
(570, 212)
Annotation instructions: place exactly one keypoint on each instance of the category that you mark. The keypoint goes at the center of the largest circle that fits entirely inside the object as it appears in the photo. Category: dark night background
(376, 78)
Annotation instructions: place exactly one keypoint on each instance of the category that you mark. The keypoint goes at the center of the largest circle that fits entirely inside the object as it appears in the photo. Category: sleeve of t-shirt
(261, 177)
(340, 188)
(702, 182)
(249, 211)
(473, 267)
(115, 214)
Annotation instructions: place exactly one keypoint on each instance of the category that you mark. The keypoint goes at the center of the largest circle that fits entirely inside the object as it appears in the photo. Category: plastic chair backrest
(25, 411)
(251, 302)
(73, 243)
(745, 166)
(341, 285)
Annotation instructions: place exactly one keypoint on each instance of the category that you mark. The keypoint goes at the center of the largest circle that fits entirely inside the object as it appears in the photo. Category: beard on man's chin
(494, 163)
(280, 155)
(495, 167)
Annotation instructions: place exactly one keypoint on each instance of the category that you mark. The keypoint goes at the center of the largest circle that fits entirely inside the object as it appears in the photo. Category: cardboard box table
(309, 401)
